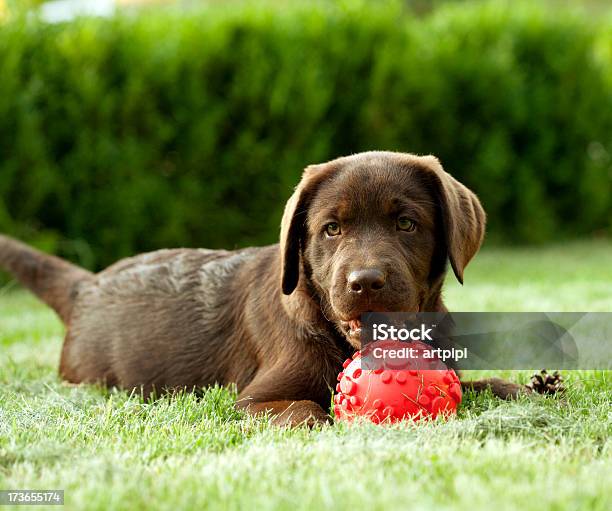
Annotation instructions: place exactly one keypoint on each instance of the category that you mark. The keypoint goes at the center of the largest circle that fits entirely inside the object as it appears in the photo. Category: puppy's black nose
(366, 280)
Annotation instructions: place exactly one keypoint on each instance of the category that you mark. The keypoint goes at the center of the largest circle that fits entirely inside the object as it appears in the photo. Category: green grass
(109, 450)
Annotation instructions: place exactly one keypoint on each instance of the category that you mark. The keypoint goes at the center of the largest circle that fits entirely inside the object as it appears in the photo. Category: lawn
(109, 450)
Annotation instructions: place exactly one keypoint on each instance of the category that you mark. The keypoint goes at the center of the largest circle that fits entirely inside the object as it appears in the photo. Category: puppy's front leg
(284, 394)
(500, 388)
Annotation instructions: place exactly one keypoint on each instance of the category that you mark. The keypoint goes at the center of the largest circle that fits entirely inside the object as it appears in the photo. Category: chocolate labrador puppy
(368, 232)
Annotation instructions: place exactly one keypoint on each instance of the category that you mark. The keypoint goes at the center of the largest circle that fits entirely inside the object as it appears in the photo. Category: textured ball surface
(387, 394)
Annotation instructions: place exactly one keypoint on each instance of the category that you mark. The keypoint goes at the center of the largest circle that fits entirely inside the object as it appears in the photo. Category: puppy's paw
(544, 383)
(300, 414)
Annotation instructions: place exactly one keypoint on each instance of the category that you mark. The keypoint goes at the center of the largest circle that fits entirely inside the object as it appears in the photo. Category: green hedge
(191, 129)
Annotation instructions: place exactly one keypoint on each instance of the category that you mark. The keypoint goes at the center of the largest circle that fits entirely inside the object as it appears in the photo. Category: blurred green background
(188, 123)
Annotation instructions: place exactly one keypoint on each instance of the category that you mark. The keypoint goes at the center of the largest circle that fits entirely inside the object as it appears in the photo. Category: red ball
(389, 394)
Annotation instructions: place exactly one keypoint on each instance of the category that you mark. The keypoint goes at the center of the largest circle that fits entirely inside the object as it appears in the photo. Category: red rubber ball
(390, 395)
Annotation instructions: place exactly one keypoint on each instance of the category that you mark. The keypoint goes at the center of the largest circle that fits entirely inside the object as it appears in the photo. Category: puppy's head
(373, 232)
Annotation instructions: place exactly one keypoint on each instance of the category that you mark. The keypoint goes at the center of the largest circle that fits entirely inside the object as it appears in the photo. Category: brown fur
(272, 320)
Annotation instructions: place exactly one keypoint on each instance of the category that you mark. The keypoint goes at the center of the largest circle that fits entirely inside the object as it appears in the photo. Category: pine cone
(544, 383)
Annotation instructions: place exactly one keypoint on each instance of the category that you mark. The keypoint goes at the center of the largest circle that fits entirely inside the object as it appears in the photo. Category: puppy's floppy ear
(463, 217)
(293, 224)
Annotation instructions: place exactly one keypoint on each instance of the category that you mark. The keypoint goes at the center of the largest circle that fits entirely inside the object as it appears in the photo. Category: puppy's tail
(52, 279)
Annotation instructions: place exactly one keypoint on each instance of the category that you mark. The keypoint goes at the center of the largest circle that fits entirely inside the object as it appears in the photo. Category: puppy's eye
(332, 229)
(405, 224)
